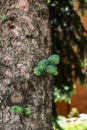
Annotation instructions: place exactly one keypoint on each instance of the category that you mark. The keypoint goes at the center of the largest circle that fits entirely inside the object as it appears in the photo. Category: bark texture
(24, 40)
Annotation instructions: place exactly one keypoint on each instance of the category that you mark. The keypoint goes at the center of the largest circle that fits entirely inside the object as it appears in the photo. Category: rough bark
(24, 40)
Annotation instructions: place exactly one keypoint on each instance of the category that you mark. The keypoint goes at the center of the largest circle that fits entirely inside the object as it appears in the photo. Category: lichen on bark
(24, 40)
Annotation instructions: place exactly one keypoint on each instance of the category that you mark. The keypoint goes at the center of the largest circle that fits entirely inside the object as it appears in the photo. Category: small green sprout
(21, 110)
(27, 112)
(37, 71)
(3, 17)
(17, 109)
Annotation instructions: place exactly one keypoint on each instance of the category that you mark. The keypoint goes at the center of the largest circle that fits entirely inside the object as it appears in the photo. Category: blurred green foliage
(63, 94)
(73, 113)
(81, 125)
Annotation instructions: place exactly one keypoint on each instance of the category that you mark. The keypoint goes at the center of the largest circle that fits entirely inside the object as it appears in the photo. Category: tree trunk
(24, 40)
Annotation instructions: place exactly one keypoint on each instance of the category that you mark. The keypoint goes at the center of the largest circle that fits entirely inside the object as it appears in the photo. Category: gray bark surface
(24, 40)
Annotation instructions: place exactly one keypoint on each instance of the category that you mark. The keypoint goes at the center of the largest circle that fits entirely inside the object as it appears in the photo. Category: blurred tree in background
(69, 41)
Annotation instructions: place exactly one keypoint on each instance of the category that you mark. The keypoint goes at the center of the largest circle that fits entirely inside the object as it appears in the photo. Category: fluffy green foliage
(21, 110)
(52, 69)
(54, 59)
(47, 66)
(43, 64)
